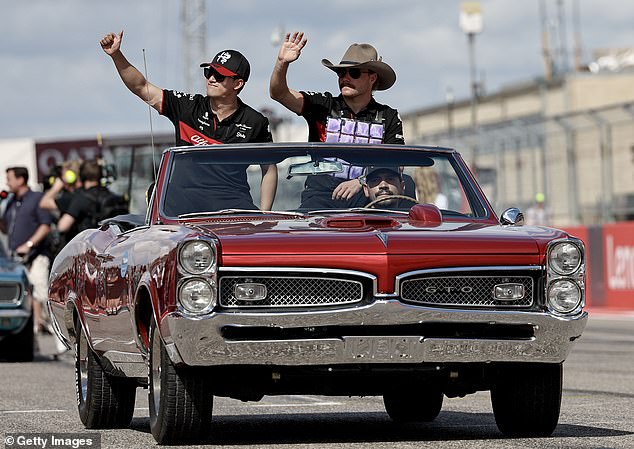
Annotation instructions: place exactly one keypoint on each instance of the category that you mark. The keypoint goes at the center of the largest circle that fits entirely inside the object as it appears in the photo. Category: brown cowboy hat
(365, 56)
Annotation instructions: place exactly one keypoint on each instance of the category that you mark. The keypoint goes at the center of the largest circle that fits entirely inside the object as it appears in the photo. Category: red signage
(49, 154)
(618, 256)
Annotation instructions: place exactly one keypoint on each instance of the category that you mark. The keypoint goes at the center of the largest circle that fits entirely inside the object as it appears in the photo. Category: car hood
(8, 266)
(376, 235)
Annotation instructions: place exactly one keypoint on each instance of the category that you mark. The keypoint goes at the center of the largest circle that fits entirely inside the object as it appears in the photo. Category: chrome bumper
(198, 341)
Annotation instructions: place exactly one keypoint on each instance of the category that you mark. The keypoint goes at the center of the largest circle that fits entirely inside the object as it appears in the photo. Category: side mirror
(512, 216)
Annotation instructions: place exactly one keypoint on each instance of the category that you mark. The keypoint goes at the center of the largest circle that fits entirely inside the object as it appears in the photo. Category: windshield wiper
(363, 210)
(241, 211)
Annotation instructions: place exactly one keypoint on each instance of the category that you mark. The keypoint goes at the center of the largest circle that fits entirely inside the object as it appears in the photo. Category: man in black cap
(354, 116)
(219, 117)
(383, 183)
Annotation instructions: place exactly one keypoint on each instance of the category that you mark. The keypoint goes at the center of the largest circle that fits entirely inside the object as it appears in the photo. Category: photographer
(63, 181)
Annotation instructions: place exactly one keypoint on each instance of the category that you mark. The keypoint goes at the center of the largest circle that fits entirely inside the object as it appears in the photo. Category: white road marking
(312, 404)
(32, 411)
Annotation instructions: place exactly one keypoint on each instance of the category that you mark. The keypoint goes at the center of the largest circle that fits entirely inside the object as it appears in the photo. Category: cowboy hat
(365, 56)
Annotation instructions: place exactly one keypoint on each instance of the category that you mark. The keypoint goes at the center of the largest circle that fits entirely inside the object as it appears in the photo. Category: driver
(383, 182)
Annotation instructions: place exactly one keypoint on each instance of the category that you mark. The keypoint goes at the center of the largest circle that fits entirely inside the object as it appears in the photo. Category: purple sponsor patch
(332, 137)
(333, 125)
(376, 141)
(348, 126)
(345, 138)
(363, 129)
(360, 139)
(355, 171)
(376, 131)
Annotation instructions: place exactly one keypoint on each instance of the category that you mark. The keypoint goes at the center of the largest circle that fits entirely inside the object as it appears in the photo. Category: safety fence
(581, 162)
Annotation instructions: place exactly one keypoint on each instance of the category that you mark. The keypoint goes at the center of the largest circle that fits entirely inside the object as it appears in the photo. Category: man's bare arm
(278, 88)
(130, 75)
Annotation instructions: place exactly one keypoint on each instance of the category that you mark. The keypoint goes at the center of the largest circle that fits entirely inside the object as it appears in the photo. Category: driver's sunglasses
(217, 76)
(374, 181)
(354, 73)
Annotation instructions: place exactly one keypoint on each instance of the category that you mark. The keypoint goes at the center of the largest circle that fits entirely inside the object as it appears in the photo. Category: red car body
(412, 302)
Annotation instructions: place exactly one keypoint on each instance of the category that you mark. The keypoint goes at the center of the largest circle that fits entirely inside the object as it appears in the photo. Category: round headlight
(564, 295)
(197, 295)
(197, 257)
(565, 258)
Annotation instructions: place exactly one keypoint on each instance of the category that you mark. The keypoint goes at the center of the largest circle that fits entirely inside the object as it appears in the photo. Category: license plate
(386, 349)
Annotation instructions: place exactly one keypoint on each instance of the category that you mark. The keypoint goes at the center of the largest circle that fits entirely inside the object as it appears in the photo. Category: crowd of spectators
(36, 225)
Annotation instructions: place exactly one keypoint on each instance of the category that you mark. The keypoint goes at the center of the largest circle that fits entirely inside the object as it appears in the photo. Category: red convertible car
(410, 288)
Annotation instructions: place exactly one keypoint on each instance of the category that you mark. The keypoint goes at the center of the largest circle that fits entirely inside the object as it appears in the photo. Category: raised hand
(111, 42)
(292, 46)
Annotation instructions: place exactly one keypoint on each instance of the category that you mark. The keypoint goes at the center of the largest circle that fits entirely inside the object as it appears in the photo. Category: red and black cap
(230, 63)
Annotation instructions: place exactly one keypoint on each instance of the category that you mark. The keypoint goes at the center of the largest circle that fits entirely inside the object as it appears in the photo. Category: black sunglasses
(373, 181)
(217, 76)
(354, 73)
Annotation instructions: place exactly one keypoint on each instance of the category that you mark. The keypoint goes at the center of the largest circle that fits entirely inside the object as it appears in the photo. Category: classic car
(16, 314)
(412, 290)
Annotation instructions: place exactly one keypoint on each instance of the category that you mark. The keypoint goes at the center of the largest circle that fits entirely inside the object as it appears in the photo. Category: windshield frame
(269, 153)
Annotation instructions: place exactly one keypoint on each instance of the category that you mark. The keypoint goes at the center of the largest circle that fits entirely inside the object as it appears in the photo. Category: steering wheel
(390, 197)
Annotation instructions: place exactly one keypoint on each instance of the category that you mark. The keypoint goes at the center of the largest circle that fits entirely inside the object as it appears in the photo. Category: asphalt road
(597, 409)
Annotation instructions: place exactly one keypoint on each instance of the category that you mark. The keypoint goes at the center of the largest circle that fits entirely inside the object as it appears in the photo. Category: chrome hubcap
(155, 372)
(82, 367)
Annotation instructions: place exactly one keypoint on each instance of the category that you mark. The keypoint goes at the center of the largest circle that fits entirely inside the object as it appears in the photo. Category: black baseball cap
(230, 63)
(394, 169)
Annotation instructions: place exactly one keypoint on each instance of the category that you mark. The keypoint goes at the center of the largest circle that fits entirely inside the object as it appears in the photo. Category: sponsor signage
(49, 154)
(618, 256)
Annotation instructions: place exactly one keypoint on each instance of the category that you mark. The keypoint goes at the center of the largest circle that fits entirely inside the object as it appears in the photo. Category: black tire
(103, 401)
(180, 399)
(413, 406)
(526, 399)
(19, 347)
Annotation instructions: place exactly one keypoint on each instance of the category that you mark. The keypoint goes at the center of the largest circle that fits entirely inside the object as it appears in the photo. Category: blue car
(16, 312)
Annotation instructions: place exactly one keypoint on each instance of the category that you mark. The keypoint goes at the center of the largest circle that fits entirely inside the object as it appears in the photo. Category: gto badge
(448, 289)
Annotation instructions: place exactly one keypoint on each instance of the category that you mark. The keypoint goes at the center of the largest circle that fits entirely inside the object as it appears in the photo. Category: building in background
(571, 138)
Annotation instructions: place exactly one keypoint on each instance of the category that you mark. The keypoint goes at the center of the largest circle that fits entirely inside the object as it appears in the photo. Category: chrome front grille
(10, 293)
(293, 291)
(468, 291)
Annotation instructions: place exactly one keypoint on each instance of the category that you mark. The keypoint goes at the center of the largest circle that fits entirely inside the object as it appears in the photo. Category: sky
(59, 84)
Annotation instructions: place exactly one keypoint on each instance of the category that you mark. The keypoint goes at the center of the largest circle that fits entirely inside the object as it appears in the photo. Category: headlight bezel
(185, 266)
(555, 276)
(552, 302)
(213, 299)
(555, 265)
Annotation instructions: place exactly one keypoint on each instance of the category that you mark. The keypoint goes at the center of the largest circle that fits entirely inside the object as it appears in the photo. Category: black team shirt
(195, 124)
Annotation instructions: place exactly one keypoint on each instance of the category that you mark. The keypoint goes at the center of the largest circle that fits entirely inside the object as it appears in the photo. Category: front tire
(180, 399)
(413, 406)
(526, 399)
(103, 401)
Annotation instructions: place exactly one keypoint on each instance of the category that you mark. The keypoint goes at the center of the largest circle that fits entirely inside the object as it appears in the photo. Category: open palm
(292, 47)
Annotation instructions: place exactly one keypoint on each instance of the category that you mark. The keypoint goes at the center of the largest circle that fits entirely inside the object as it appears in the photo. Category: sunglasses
(355, 74)
(374, 181)
(217, 76)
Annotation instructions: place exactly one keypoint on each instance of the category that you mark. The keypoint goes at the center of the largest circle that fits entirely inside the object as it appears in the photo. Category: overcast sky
(58, 83)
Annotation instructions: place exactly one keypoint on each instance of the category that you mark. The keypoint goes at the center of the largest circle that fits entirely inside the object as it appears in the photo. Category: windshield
(317, 179)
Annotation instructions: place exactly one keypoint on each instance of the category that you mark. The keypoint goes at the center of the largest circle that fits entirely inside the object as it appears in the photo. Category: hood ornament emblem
(383, 238)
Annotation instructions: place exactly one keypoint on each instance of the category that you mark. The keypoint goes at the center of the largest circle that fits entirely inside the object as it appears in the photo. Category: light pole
(449, 96)
(471, 24)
